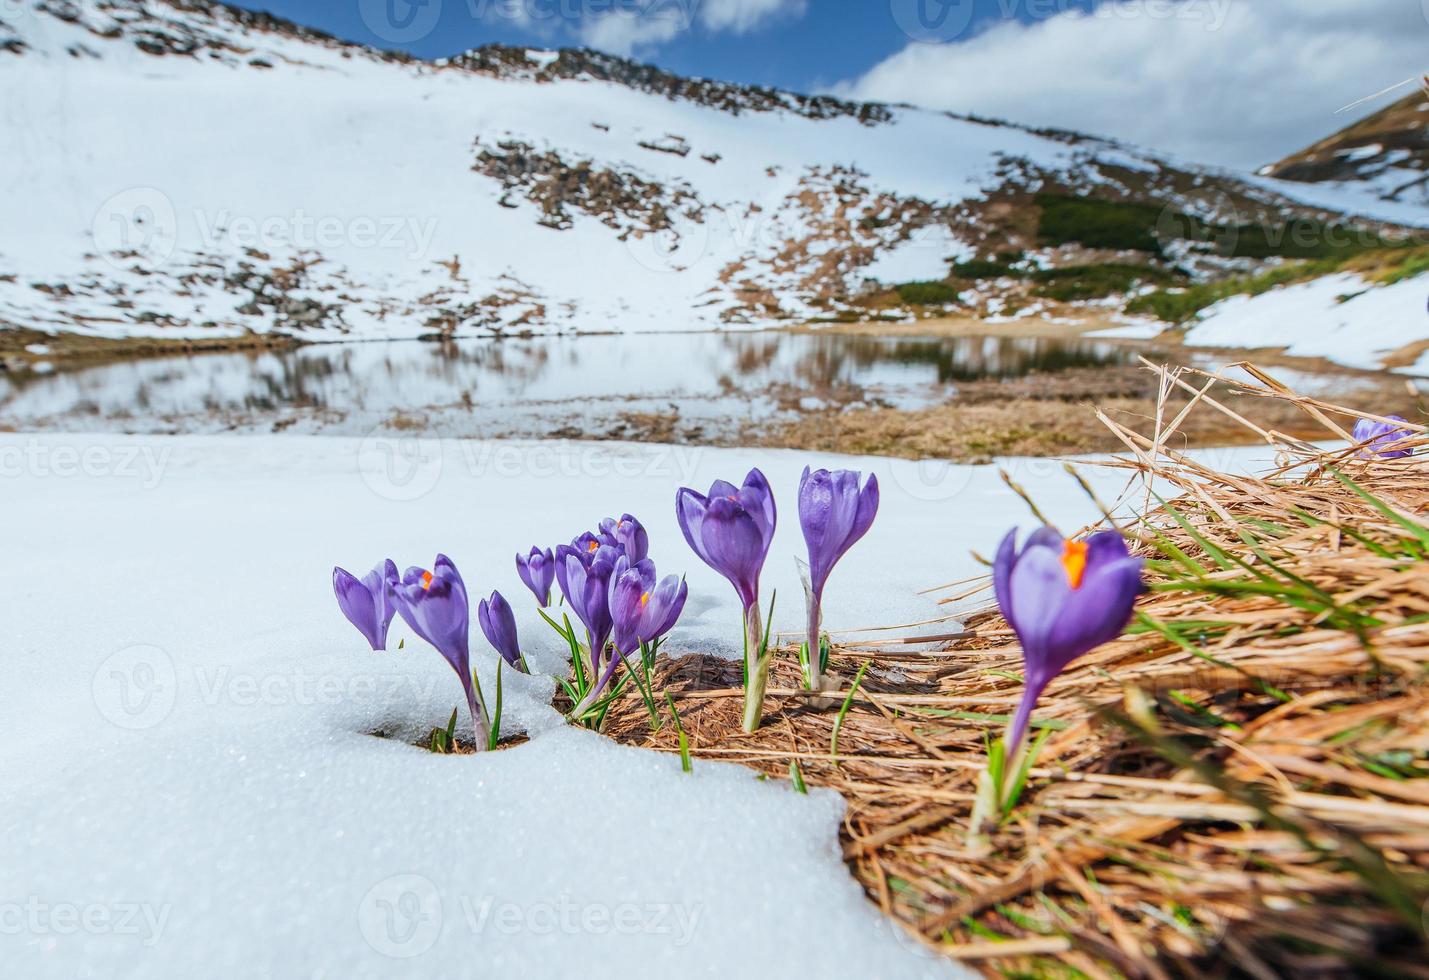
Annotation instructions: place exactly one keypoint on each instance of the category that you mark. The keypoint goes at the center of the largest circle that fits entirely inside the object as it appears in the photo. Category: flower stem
(814, 674)
(756, 668)
(480, 727)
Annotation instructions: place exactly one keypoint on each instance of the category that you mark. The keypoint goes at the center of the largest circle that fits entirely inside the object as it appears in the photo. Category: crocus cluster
(1384, 439)
(611, 585)
(1062, 598)
(432, 602)
(731, 529)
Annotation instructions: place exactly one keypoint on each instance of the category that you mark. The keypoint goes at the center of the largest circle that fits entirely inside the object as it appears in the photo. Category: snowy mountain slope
(182, 169)
(1343, 317)
(1386, 153)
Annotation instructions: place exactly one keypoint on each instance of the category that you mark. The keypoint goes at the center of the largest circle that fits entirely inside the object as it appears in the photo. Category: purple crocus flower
(367, 601)
(585, 582)
(1063, 599)
(498, 624)
(538, 570)
(1378, 435)
(587, 548)
(630, 586)
(628, 535)
(834, 514)
(641, 611)
(731, 530)
(435, 606)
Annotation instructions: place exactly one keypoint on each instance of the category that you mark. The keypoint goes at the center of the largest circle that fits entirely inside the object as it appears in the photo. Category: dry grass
(1234, 788)
(1053, 415)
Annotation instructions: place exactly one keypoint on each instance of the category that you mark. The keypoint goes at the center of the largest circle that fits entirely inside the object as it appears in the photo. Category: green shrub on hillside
(1083, 282)
(1179, 306)
(1302, 238)
(978, 269)
(1098, 224)
(926, 293)
(1134, 226)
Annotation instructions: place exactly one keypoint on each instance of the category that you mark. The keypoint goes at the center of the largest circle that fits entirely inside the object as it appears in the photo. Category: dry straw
(1234, 788)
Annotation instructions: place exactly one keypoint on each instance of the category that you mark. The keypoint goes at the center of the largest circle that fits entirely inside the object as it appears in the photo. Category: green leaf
(848, 701)
(1413, 527)
(495, 736)
(798, 777)
(680, 730)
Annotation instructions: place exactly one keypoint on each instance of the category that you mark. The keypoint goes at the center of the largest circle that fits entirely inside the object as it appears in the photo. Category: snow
(1342, 317)
(1135, 328)
(925, 256)
(188, 763)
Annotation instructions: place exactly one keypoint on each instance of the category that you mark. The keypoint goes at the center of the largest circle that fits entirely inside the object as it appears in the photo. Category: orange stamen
(644, 599)
(1074, 561)
(426, 580)
(594, 545)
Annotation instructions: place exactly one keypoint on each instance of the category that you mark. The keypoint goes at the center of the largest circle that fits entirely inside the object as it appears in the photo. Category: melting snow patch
(1342, 317)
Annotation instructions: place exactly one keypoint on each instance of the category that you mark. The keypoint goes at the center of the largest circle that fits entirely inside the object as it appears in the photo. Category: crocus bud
(367, 601)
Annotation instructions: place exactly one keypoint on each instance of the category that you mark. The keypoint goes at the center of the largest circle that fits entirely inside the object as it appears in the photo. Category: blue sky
(804, 45)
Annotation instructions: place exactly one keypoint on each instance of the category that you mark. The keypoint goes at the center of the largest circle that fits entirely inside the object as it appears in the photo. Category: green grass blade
(848, 701)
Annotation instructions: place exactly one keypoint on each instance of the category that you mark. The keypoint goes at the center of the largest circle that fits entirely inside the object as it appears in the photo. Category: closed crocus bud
(1380, 437)
(537, 570)
(498, 625)
(630, 534)
(731, 529)
(833, 513)
(434, 604)
(367, 601)
(1063, 599)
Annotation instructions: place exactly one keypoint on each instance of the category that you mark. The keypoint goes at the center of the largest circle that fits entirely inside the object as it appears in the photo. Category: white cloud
(649, 23)
(743, 16)
(1234, 82)
(621, 33)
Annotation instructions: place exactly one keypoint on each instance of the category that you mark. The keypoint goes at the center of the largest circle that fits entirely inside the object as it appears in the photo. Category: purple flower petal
(537, 571)
(367, 602)
(1061, 607)
(498, 625)
(1379, 435)
(731, 529)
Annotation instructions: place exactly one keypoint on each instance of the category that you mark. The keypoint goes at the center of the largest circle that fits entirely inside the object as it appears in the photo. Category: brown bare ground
(1052, 415)
(1237, 788)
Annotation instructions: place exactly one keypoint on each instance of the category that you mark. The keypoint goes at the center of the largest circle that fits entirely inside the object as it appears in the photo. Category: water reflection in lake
(527, 386)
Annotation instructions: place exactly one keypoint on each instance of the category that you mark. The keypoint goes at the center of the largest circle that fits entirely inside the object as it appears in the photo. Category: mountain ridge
(522, 189)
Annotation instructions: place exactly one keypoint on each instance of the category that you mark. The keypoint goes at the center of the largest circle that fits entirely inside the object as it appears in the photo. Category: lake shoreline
(1016, 388)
